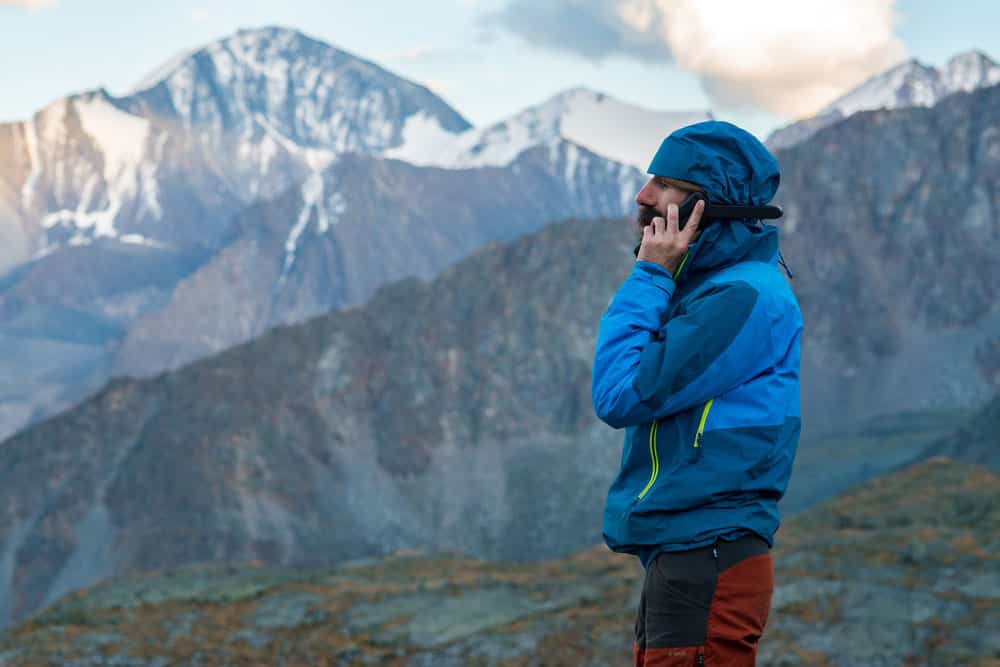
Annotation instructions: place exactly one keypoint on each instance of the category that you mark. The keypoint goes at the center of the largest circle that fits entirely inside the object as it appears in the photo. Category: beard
(645, 217)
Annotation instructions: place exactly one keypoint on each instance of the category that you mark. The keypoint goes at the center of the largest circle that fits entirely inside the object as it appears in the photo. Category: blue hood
(731, 164)
(733, 167)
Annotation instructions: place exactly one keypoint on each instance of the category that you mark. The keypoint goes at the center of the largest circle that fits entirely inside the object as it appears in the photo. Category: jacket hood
(731, 164)
(733, 167)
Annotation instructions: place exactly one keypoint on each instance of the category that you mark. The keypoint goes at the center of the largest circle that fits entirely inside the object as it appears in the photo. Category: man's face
(653, 199)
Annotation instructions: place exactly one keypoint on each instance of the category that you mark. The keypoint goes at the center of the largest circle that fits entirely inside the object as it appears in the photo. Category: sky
(759, 64)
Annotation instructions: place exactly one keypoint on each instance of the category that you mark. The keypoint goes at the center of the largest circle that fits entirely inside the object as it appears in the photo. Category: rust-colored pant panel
(705, 606)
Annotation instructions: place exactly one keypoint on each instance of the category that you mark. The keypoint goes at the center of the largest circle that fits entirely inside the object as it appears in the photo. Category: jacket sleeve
(647, 367)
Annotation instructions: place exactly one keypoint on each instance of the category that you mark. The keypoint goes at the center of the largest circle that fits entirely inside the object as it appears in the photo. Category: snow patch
(120, 136)
(121, 140)
(139, 239)
(53, 122)
(621, 132)
(150, 184)
(317, 159)
(312, 198)
(424, 140)
(334, 209)
(615, 130)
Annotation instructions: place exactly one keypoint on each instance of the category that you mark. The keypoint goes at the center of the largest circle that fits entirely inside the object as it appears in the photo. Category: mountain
(173, 176)
(898, 277)
(456, 413)
(241, 119)
(274, 105)
(363, 222)
(612, 129)
(62, 318)
(84, 169)
(107, 203)
(451, 414)
(908, 84)
(896, 572)
(914, 84)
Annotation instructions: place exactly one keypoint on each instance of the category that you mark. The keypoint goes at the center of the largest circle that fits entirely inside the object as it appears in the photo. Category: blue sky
(492, 58)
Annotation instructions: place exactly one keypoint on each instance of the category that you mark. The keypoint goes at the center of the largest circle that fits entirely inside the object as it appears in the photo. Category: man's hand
(664, 243)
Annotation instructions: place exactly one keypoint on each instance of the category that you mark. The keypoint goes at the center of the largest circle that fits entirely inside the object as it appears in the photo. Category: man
(697, 358)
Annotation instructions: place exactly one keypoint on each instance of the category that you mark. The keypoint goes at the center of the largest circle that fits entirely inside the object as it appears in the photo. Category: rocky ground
(905, 570)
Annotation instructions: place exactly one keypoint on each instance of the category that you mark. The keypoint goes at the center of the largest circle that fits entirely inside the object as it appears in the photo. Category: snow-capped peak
(968, 71)
(613, 129)
(306, 91)
(911, 83)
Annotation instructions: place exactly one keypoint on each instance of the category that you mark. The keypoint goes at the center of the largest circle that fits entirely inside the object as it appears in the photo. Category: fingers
(691, 226)
(672, 219)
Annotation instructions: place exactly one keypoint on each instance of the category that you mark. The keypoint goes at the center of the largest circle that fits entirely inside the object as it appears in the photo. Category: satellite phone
(716, 212)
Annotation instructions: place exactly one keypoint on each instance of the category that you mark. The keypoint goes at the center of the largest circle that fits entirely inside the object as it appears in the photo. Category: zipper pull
(701, 658)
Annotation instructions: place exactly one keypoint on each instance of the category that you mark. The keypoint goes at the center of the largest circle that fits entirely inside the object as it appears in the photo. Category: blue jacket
(702, 370)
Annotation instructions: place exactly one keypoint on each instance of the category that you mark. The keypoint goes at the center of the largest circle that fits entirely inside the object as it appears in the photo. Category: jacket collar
(727, 242)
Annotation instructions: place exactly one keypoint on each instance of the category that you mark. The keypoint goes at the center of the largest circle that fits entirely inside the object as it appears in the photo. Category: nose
(642, 197)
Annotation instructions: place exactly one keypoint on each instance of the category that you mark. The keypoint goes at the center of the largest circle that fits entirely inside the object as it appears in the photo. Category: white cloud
(787, 57)
(33, 5)
(790, 57)
(199, 15)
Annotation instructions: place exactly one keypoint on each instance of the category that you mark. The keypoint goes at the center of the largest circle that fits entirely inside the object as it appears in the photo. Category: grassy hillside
(903, 570)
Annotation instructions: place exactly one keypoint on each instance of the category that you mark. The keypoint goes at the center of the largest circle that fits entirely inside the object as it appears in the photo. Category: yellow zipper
(652, 447)
(701, 424)
(683, 262)
(653, 457)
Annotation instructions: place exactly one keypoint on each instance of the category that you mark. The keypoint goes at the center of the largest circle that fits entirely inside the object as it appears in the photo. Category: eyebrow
(664, 183)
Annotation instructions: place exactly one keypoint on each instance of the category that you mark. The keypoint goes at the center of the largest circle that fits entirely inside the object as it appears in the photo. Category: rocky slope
(360, 224)
(455, 413)
(892, 228)
(901, 571)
